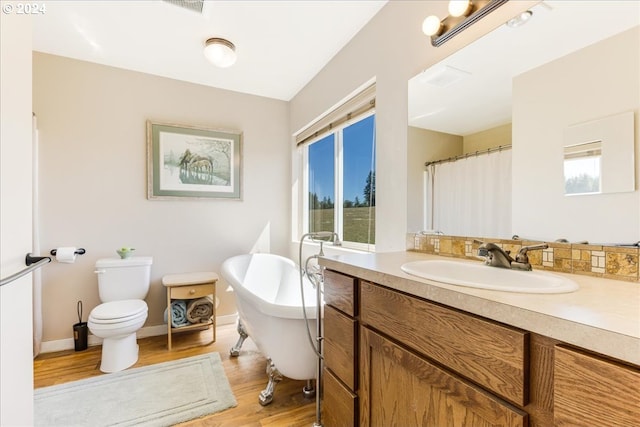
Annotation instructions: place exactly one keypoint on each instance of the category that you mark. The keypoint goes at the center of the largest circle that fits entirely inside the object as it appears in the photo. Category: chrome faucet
(495, 256)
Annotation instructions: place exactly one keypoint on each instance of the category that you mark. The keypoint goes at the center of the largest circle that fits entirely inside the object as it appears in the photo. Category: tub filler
(267, 289)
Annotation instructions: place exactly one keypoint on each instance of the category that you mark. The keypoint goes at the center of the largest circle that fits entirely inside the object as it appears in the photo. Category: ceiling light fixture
(220, 52)
(520, 19)
(462, 14)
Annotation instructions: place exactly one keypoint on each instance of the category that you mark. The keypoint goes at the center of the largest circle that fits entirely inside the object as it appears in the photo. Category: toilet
(123, 285)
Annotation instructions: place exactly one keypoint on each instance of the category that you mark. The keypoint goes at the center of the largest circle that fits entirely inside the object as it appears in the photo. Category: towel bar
(32, 264)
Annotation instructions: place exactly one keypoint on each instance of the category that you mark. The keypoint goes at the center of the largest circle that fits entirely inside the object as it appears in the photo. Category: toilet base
(119, 353)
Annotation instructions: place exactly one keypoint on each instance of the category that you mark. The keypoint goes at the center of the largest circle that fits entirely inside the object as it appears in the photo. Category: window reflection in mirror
(582, 168)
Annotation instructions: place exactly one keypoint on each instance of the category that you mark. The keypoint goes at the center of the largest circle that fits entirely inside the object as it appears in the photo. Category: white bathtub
(267, 289)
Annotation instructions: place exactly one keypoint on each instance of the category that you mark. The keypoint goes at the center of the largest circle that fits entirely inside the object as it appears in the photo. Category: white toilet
(123, 285)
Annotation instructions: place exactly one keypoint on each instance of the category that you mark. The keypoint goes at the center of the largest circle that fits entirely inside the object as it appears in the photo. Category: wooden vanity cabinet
(393, 359)
(593, 391)
(400, 388)
(340, 348)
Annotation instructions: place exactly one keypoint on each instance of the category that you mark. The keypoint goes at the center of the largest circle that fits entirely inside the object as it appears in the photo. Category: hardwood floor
(246, 375)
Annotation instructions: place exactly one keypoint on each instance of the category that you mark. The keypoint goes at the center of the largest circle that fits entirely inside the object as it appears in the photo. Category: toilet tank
(120, 279)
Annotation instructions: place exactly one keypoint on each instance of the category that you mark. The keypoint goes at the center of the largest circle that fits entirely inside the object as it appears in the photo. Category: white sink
(478, 275)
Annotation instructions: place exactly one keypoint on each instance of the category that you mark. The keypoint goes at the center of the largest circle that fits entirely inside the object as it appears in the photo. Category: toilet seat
(118, 311)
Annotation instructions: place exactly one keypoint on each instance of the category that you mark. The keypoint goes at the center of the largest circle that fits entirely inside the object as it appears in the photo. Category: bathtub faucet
(324, 236)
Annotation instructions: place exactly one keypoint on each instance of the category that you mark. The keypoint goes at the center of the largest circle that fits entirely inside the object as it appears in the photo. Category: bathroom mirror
(472, 92)
(590, 165)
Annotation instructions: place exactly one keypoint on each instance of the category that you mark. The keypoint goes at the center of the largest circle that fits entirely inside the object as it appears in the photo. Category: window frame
(338, 214)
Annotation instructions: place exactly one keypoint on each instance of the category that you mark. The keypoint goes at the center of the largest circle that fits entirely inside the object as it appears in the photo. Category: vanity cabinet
(592, 391)
(392, 358)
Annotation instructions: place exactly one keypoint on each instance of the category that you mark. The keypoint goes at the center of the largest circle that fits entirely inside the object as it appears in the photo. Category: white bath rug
(157, 395)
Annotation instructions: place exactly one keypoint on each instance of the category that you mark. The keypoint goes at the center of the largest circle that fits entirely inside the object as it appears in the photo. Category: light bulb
(431, 26)
(459, 7)
(520, 19)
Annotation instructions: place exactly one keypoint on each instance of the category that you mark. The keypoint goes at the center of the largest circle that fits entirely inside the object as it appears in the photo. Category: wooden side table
(190, 286)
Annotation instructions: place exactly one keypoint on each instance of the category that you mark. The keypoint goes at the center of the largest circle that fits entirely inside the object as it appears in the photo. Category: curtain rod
(464, 156)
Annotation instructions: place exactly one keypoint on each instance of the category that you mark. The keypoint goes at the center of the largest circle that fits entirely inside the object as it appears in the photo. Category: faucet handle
(522, 256)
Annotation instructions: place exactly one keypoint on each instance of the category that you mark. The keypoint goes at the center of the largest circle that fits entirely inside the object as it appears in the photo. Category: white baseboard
(148, 331)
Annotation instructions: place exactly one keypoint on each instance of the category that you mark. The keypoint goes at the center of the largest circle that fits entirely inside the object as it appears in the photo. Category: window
(341, 182)
(582, 168)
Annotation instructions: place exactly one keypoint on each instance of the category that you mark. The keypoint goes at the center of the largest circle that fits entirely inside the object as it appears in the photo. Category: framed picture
(188, 161)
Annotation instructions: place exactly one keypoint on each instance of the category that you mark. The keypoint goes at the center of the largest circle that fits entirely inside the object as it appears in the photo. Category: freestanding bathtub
(267, 289)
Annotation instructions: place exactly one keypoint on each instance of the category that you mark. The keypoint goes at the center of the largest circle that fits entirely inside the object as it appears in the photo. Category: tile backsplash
(611, 262)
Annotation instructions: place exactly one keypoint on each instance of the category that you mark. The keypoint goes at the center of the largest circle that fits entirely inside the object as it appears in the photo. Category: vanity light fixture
(220, 52)
(462, 14)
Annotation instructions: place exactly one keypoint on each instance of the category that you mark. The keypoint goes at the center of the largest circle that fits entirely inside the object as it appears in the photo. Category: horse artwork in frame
(194, 162)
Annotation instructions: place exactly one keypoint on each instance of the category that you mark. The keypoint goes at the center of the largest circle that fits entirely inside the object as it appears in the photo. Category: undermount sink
(478, 275)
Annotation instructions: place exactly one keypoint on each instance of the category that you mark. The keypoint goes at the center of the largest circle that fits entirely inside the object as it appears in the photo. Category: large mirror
(523, 86)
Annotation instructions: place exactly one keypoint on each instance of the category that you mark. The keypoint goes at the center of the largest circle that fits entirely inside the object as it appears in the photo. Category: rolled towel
(178, 313)
(200, 310)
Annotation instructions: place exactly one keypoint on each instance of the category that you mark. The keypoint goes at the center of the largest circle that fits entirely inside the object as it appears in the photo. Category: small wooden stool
(190, 286)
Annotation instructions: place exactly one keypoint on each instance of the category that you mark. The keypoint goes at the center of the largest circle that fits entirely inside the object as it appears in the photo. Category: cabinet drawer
(492, 355)
(595, 391)
(194, 291)
(340, 291)
(340, 346)
(340, 404)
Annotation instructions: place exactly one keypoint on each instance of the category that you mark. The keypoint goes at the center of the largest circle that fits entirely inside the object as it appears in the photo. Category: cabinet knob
(192, 291)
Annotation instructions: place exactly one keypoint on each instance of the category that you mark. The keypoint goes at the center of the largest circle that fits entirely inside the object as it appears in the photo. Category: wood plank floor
(246, 375)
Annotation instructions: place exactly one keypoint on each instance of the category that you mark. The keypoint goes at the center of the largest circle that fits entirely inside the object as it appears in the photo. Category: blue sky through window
(321, 166)
(359, 158)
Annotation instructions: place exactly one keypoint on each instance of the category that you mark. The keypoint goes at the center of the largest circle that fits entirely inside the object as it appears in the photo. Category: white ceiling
(482, 98)
(281, 45)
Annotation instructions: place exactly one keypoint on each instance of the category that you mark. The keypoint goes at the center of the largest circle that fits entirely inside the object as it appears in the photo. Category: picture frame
(193, 162)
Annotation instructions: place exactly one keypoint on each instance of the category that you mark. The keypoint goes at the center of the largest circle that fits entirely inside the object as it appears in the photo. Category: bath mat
(157, 395)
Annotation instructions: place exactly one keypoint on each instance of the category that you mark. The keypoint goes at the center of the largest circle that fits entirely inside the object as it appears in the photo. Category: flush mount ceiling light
(520, 19)
(462, 14)
(220, 52)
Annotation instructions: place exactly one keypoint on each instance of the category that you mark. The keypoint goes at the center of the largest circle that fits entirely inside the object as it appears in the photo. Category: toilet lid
(119, 309)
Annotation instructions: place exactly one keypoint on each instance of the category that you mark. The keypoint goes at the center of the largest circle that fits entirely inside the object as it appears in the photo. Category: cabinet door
(590, 391)
(398, 388)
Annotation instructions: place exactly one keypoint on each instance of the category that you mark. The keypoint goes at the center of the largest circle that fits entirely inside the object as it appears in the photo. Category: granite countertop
(602, 316)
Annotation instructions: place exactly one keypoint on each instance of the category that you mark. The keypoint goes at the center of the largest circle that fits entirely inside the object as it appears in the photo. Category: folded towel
(178, 313)
(200, 310)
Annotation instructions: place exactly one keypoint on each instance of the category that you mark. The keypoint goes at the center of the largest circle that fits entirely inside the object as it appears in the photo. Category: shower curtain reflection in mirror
(471, 196)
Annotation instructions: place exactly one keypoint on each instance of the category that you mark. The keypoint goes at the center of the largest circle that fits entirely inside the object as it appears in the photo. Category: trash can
(80, 331)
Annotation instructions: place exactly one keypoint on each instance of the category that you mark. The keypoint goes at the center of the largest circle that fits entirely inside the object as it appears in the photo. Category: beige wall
(391, 48)
(490, 138)
(596, 82)
(93, 181)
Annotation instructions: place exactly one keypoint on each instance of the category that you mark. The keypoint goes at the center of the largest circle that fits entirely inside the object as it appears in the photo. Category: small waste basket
(80, 331)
